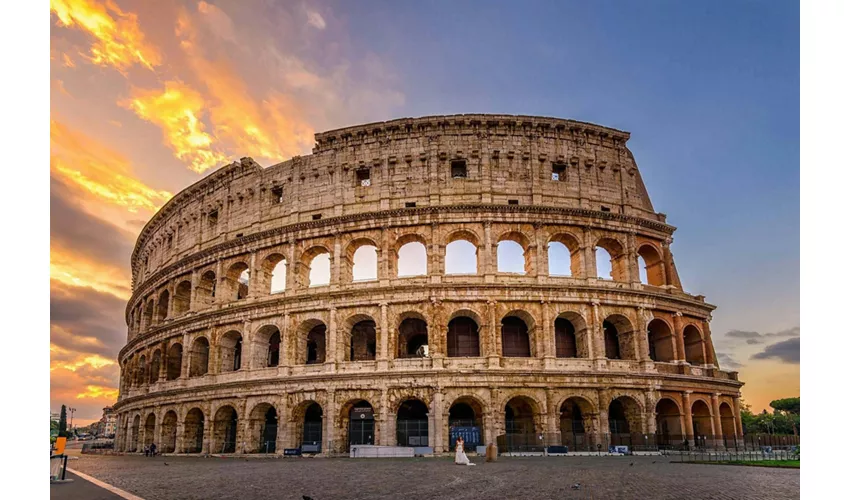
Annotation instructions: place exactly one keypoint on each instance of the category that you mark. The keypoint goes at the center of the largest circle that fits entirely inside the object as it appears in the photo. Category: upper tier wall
(508, 159)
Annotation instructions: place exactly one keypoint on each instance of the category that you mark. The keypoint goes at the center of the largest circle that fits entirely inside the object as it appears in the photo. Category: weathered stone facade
(214, 360)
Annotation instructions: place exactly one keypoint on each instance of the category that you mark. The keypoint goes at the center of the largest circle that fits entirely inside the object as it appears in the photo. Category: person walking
(153, 449)
(460, 455)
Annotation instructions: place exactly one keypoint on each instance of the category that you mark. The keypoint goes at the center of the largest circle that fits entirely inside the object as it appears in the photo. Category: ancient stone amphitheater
(323, 301)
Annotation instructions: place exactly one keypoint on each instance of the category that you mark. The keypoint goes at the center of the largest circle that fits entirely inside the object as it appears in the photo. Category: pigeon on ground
(166, 463)
(576, 486)
(631, 464)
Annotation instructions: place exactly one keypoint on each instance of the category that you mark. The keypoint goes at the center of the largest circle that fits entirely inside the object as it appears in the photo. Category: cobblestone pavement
(419, 478)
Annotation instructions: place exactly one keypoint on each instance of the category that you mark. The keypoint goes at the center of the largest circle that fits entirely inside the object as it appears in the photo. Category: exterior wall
(265, 215)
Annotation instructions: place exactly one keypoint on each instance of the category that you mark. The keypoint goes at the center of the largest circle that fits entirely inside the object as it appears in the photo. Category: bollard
(491, 453)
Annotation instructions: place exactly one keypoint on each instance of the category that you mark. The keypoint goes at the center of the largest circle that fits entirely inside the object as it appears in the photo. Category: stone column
(716, 424)
(384, 339)
(219, 283)
(247, 347)
(157, 428)
(680, 336)
(493, 351)
(187, 357)
(254, 280)
(329, 418)
(385, 423)
(436, 417)
(632, 256)
(552, 418)
(292, 268)
(193, 300)
(739, 428)
(542, 254)
(436, 259)
(163, 362)
(283, 417)
(689, 419)
(603, 425)
(547, 332)
(488, 264)
(589, 255)
(331, 343)
(598, 337)
(208, 427)
(642, 340)
(384, 258)
(336, 263)
(169, 312)
(179, 445)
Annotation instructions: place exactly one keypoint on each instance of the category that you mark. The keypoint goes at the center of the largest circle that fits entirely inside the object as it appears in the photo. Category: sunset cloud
(119, 41)
(315, 19)
(176, 110)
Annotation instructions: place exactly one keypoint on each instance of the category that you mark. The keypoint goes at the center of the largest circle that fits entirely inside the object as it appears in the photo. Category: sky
(148, 97)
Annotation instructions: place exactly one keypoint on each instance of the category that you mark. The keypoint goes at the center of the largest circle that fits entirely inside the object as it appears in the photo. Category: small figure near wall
(460, 455)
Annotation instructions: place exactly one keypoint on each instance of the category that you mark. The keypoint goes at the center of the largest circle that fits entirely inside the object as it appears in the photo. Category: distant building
(108, 423)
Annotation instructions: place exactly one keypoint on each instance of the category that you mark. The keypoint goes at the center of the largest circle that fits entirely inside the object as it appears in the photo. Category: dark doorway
(361, 424)
(412, 423)
(312, 435)
(515, 343)
(268, 436)
(462, 338)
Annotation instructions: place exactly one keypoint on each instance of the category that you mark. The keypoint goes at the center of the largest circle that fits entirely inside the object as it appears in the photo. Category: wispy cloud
(787, 351)
(315, 19)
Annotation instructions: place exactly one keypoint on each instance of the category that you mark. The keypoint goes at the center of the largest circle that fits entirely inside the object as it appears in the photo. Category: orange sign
(60, 445)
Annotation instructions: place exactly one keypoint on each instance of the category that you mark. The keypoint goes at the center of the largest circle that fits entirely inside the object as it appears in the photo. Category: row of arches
(413, 338)
(515, 254)
(577, 421)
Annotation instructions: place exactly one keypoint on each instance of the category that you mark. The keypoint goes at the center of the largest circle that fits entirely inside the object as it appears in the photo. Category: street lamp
(72, 410)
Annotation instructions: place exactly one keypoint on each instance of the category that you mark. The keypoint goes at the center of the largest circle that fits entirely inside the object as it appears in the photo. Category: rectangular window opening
(317, 216)
(513, 202)
(605, 209)
(239, 235)
(459, 169)
(277, 195)
(559, 172)
(410, 204)
(212, 217)
(364, 177)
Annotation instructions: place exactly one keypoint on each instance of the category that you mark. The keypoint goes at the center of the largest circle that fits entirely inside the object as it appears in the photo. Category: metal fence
(765, 454)
(601, 443)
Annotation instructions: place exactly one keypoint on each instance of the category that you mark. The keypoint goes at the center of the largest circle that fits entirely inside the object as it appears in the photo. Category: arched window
(660, 340)
(316, 345)
(320, 270)
(365, 265)
(694, 346)
(610, 260)
(603, 264)
(559, 259)
(205, 293)
(230, 351)
(199, 362)
(612, 341)
(650, 266)
(412, 259)
(515, 341)
(412, 335)
(175, 362)
(363, 341)
(462, 340)
(278, 277)
(461, 257)
(162, 306)
(182, 297)
(565, 339)
(510, 257)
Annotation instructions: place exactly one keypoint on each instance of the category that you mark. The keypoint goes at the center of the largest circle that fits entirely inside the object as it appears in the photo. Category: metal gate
(412, 432)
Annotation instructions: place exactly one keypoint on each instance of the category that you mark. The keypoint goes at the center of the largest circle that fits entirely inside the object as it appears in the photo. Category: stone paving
(420, 478)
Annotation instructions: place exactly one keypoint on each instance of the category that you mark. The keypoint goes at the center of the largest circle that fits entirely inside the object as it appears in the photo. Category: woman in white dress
(460, 456)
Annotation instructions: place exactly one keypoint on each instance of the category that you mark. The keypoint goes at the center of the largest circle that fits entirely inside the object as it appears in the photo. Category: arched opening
(412, 259)
(156, 363)
(701, 416)
(320, 270)
(564, 256)
(661, 341)
(162, 306)
(225, 424)
(412, 338)
(266, 346)
(520, 424)
(263, 429)
(364, 265)
(141, 371)
(193, 431)
(312, 432)
(362, 343)
(462, 339)
(237, 280)
(515, 341)
(618, 332)
(274, 273)
(694, 349)
(510, 257)
(315, 353)
(150, 428)
(651, 266)
(610, 260)
(461, 257)
(182, 298)
(149, 314)
(565, 339)
(727, 422)
(361, 423)
(205, 293)
(575, 423)
(412, 423)
(134, 434)
(668, 423)
(623, 420)
(175, 362)
(168, 432)
(466, 422)
(230, 352)
(200, 357)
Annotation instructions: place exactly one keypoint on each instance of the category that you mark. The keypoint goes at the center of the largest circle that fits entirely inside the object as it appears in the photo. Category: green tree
(786, 405)
(787, 412)
(63, 423)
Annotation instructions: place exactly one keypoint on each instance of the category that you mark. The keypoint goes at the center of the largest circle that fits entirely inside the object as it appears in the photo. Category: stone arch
(272, 278)
(661, 341)
(193, 431)
(162, 306)
(267, 346)
(308, 417)
(150, 428)
(149, 313)
(576, 422)
(463, 336)
(236, 281)
(262, 428)
(461, 245)
(727, 421)
(230, 350)
(412, 335)
(523, 419)
(356, 429)
(174, 361)
(517, 331)
(702, 419)
(571, 336)
(653, 265)
(466, 411)
(168, 432)
(694, 345)
(225, 429)
(205, 292)
(199, 359)
(313, 272)
(366, 250)
(361, 341)
(668, 422)
(624, 417)
(617, 255)
(618, 331)
(410, 256)
(156, 364)
(141, 371)
(514, 242)
(182, 297)
(412, 422)
(134, 433)
(311, 342)
(572, 246)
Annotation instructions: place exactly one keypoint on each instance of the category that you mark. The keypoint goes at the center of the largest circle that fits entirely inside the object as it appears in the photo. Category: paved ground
(421, 478)
(79, 489)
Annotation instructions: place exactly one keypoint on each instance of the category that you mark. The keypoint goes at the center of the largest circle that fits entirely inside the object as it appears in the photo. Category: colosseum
(501, 278)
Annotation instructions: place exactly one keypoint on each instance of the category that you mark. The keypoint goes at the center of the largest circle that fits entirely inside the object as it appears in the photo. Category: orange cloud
(99, 171)
(77, 270)
(98, 392)
(119, 42)
(176, 110)
(67, 61)
(85, 360)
